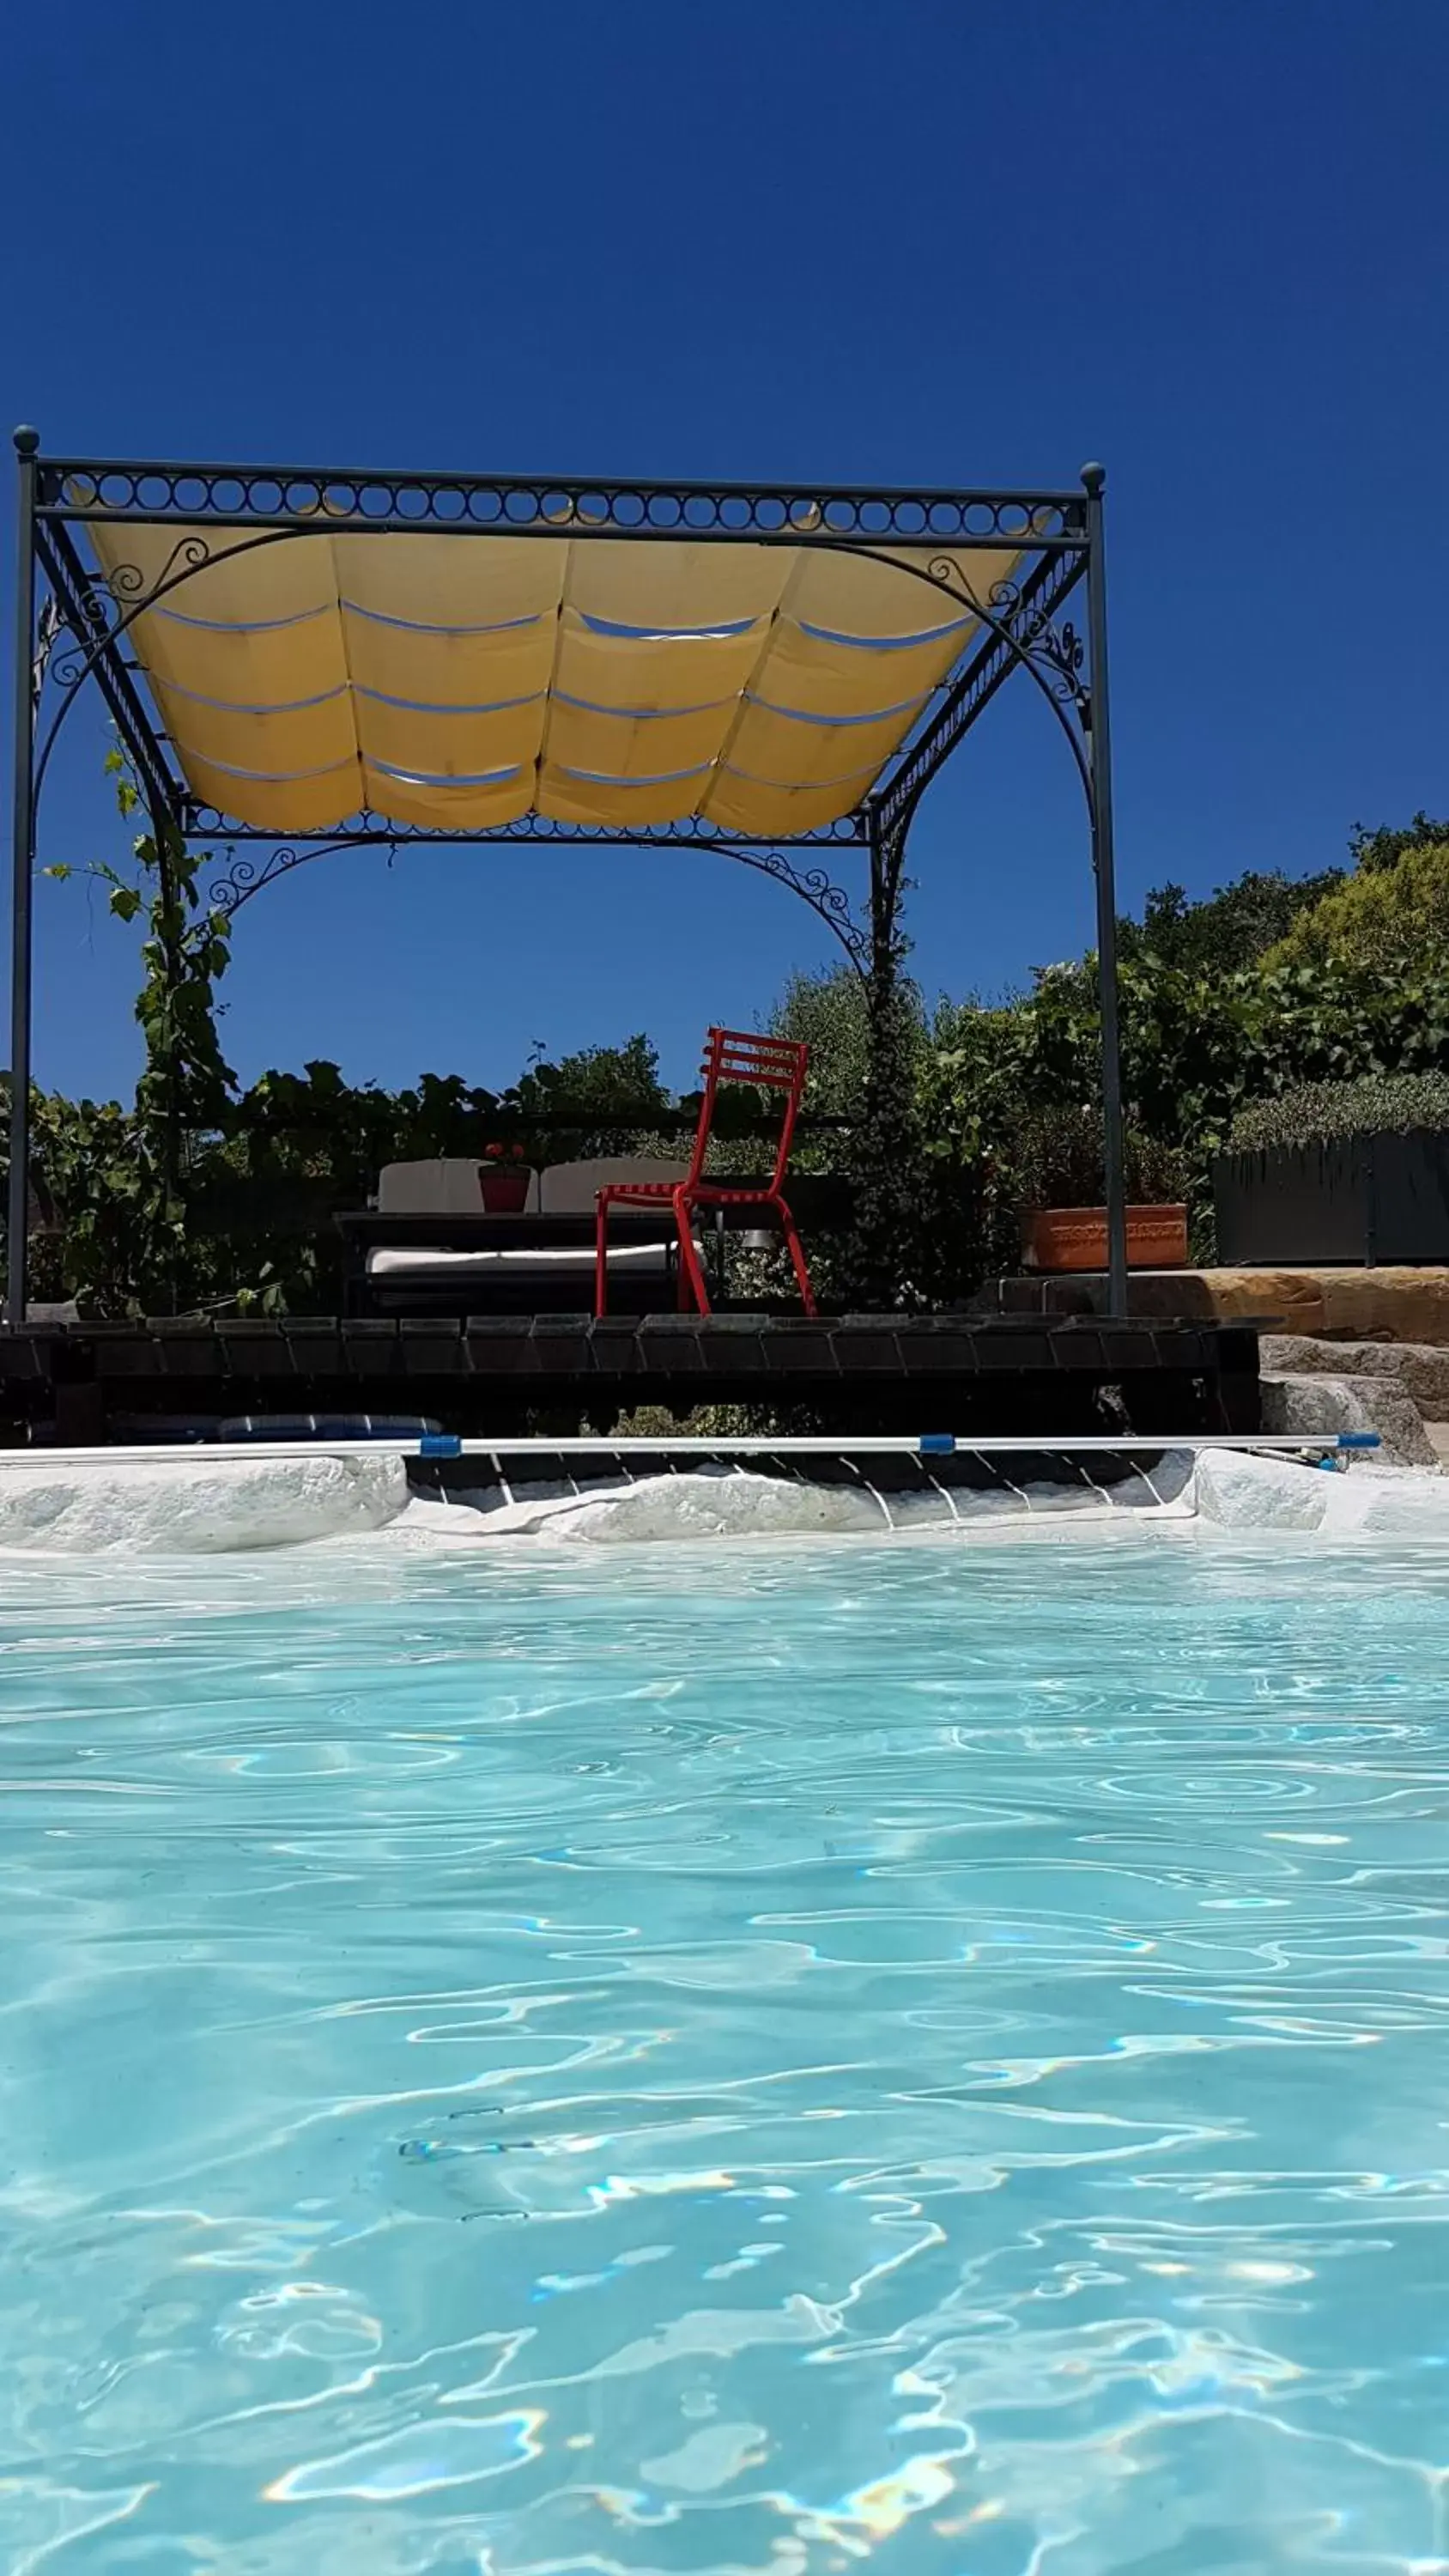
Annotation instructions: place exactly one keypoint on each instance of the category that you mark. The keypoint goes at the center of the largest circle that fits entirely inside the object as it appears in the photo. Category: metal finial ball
(1094, 476)
(27, 441)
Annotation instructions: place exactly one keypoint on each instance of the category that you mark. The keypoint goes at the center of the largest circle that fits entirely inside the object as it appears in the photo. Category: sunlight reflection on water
(757, 2059)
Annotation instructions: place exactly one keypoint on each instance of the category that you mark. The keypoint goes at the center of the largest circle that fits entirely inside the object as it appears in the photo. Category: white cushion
(387, 1258)
(567, 1188)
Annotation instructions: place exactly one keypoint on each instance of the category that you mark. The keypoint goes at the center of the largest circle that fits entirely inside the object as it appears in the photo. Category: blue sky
(951, 241)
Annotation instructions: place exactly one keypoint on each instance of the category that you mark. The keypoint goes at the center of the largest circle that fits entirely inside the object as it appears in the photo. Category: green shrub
(1313, 1113)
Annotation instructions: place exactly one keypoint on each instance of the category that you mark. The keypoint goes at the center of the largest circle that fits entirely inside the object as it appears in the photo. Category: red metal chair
(768, 1064)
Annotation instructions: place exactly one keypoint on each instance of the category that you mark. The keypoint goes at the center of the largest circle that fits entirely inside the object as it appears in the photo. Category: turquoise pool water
(761, 2061)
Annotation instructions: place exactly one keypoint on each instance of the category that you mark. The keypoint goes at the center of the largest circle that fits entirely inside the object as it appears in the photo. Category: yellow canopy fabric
(463, 681)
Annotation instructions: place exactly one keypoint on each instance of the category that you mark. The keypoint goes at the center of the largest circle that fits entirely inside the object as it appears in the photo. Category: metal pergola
(74, 622)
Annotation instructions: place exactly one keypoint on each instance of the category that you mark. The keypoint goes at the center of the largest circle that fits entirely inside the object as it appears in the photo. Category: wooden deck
(89, 1382)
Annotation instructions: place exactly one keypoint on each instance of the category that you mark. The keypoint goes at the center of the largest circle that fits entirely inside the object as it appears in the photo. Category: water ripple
(744, 2062)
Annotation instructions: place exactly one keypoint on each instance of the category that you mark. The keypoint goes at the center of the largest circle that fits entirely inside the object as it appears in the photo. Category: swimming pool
(752, 2059)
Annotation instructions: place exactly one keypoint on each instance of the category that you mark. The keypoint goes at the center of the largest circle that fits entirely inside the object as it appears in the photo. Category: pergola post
(27, 444)
(1103, 866)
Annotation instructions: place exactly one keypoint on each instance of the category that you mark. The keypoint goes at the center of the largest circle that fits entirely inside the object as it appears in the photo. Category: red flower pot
(504, 1193)
(1076, 1238)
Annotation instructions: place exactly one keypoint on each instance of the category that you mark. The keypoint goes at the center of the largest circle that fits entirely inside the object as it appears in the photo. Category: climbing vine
(884, 1156)
(186, 1082)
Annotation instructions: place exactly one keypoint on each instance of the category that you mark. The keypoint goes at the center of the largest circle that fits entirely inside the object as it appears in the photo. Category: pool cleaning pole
(694, 1446)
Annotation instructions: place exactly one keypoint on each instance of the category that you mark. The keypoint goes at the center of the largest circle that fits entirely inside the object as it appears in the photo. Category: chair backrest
(444, 1185)
(566, 1188)
(767, 1064)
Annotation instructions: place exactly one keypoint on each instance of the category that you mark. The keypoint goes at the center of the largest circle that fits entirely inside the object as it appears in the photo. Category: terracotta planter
(504, 1193)
(1076, 1238)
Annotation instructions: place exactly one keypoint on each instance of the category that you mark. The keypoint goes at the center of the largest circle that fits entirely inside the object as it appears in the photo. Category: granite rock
(1321, 1405)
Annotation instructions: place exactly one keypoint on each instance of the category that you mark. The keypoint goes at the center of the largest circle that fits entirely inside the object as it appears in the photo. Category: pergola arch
(80, 628)
(815, 887)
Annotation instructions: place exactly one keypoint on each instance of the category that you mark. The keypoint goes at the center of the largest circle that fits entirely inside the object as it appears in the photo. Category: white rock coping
(189, 1506)
(194, 1505)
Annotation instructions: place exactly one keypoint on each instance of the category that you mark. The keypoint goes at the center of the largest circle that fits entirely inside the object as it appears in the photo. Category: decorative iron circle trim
(85, 488)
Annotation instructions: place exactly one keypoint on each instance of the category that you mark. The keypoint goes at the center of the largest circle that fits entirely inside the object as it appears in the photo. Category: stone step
(1420, 1368)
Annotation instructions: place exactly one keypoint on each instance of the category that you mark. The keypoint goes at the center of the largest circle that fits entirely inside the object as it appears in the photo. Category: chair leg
(691, 1277)
(796, 1251)
(601, 1259)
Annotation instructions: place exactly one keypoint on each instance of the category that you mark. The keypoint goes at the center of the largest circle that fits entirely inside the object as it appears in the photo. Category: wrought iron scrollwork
(99, 610)
(77, 614)
(830, 902)
(48, 626)
(1058, 651)
(996, 655)
(83, 625)
(130, 584)
(1052, 655)
(246, 876)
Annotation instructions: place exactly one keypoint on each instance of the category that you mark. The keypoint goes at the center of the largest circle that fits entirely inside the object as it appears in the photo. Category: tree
(614, 1093)
(1389, 919)
(827, 1012)
(608, 1086)
(1384, 847)
(1230, 929)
